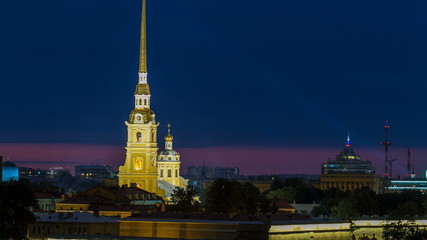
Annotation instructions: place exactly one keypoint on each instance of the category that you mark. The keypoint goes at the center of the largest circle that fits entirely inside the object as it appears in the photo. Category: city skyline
(271, 77)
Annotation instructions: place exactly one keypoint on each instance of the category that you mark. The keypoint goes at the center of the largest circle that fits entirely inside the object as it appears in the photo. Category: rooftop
(74, 217)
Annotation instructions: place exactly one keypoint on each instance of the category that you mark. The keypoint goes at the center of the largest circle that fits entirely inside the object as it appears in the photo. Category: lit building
(113, 201)
(407, 184)
(56, 171)
(349, 172)
(348, 161)
(9, 172)
(168, 165)
(73, 225)
(94, 172)
(141, 166)
(26, 172)
(46, 202)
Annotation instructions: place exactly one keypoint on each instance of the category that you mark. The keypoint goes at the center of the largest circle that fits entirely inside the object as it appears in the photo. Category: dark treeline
(227, 196)
(17, 202)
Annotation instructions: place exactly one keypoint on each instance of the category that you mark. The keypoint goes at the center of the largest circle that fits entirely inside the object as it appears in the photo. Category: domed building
(10, 172)
(168, 166)
(348, 161)
(349, 172)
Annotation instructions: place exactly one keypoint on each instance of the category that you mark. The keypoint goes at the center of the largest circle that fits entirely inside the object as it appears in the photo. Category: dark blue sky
(269, 73)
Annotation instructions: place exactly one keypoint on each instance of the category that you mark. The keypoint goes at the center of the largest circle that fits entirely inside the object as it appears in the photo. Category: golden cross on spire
(143, 44)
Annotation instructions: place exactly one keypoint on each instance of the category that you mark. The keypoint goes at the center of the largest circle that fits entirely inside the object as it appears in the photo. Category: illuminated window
(161, 173)
(169, 173)
(138, 164)
(176, 172)
(138, 137)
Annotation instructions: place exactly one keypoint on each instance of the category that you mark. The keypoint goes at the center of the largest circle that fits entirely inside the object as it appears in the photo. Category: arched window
(138, 164)
(161, 173)
(145, 101)
(169, 173)
(140, 102)
(138, 137)
(176, 172)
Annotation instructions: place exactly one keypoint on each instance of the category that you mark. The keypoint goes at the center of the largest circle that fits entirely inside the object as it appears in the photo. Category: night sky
(266, 86)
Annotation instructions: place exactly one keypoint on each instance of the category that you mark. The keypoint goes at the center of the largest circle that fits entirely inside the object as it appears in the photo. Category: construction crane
(390, 166)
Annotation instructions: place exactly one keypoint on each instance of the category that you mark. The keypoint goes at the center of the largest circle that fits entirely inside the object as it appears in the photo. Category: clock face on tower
(138, 118)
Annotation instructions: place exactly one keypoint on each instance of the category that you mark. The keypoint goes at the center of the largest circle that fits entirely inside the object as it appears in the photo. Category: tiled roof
(279, 203)
(46, 195)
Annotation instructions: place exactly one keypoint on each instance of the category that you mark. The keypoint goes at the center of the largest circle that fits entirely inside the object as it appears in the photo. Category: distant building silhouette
(94, 172)
(198, 175)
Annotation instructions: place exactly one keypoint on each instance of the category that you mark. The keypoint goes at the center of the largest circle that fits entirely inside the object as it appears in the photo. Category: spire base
(142, 76)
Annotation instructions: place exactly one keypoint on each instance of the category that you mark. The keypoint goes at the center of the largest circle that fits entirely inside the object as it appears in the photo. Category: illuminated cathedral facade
(143, 166)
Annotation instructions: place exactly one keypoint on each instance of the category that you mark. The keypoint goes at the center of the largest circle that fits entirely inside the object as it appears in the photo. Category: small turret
(168, 139)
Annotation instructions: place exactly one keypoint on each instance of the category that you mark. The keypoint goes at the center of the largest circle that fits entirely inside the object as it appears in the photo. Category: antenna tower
(408, 163)
(386, 144)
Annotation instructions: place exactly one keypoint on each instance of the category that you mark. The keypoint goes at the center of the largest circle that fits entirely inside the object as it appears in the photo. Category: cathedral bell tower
(141, 150)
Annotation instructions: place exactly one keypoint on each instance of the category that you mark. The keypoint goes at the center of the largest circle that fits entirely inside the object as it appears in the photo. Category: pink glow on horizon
(250, 160)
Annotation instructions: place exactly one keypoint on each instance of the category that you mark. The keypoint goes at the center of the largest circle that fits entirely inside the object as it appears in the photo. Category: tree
(306, 193)
(398, 229)
(332, 197)
(222, 195)
(389, 202)
(345, 210)
(286, 193)
(293, 182)
(184, 199)
(252, 201)
(16, 203)
(276, 184)
(406, 210)
(364, 201)
(319, 210)
(225, 196)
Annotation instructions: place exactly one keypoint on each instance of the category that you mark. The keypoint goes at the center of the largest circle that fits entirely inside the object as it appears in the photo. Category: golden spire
(169, 137)
(143, 44)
